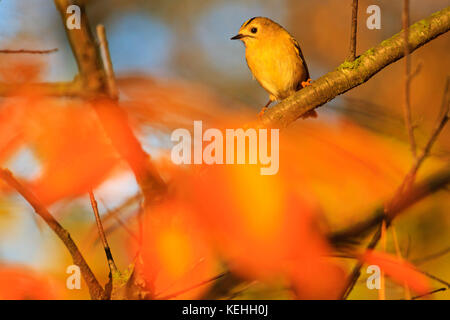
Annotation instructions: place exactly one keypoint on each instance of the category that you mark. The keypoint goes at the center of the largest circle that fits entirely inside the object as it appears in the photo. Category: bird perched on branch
(275, 59)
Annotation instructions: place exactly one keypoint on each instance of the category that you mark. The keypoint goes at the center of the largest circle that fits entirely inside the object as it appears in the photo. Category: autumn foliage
(211, 221)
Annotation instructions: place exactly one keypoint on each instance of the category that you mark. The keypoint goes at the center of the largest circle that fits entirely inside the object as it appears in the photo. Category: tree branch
(428, 293)
(396, 204)
(25, 51)
(95, 289)
(107, 63)
(432, 184)
(352, 74)
(431, 256)
(94, 73)
(83, 47)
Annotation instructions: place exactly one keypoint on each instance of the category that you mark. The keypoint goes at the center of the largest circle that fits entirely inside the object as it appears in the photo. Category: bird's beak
(237, 37)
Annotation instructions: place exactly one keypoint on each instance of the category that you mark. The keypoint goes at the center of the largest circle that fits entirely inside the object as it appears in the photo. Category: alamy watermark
(374, 280)
(74, 280)
(236, 146)
(374, 20)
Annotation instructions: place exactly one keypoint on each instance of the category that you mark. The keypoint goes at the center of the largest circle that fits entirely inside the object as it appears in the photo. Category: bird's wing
(300, 55)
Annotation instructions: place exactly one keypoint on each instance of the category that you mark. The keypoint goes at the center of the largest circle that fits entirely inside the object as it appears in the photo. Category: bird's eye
(254, 30)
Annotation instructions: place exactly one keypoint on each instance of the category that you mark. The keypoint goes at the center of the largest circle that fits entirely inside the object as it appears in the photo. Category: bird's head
(257, 29)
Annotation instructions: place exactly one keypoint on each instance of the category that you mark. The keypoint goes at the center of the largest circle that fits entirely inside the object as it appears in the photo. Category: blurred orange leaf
(175, 254)
(262, 229)
(20, 283)
(74, 152)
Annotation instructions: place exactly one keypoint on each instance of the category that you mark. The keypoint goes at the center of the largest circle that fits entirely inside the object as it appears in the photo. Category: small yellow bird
(274, 57)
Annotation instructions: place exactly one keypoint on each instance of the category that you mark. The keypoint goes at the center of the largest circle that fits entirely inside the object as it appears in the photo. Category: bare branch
(432, 256)
(435, 278)
(109, 219)
(353, 32)
(101, 232)
(95, 289)
(83, 47)
(25, 51)
(442, 121)
(107, 64)
(110, 114)
(432, 184)
(427, 294)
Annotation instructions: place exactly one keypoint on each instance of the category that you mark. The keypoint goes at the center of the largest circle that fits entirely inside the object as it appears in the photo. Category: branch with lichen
(352, 74)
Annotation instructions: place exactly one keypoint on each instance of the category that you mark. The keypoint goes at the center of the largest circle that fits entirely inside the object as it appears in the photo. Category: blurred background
(179, 45)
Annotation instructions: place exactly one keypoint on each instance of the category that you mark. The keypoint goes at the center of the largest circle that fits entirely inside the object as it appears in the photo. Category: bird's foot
(306, 83)
(309, 114)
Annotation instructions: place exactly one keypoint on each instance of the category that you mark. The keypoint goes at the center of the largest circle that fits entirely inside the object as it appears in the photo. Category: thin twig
(122, 224)
(431, 256)
(400, 258)
(26, 51)
(353, 32)
(383, 238)
(101, 232)
(426, 294)
(416, 71)
(95, 289)
(107, 64)
(443, 119)
(446, 283)
(407, 102)
(108, 219)
(391, 208)
(438, 181)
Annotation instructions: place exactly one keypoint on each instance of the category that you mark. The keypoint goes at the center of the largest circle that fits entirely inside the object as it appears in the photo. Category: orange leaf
(73, 150)
(20, 283)
(263, 230)
(175, 255)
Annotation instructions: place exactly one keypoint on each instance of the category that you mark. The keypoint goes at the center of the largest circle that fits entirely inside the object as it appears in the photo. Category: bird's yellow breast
(276, 64)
